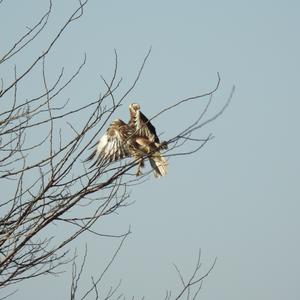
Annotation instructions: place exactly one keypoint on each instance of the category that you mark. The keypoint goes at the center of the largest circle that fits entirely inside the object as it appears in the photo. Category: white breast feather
(138, 120)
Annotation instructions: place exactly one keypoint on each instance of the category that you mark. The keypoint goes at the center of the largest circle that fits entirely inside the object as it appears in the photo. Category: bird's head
(134, 107)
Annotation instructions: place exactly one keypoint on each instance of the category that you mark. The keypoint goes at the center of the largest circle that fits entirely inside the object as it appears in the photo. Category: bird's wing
(145, 128)
(111, 146)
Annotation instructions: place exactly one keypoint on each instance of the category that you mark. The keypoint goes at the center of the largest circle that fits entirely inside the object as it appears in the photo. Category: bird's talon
(138, 173)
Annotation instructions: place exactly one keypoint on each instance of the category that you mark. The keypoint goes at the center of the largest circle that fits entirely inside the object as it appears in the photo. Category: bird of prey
(137, 139)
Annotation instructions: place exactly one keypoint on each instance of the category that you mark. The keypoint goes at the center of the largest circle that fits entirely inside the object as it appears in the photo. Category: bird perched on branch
(137, 139)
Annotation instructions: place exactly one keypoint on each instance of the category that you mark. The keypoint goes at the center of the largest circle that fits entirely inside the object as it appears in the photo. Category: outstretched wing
(112, 145)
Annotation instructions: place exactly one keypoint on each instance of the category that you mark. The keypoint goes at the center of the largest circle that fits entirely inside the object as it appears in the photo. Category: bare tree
(46, 179)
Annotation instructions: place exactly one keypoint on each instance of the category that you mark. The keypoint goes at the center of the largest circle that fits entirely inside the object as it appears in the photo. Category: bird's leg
(140, 165)
(138, 172)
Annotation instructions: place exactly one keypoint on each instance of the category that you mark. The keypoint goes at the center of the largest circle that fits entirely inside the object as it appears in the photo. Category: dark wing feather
(147, 129)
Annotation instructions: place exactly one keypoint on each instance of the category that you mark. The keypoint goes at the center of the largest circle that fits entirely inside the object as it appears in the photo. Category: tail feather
(91, 156)
(159, 164)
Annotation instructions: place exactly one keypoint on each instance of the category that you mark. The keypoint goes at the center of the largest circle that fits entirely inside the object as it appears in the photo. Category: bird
(136, 139)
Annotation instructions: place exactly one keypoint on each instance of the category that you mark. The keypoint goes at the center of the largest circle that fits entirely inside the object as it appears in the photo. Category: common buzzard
(137, 139)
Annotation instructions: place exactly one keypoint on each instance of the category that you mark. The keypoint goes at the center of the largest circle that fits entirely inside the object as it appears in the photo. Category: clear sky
(238, 198)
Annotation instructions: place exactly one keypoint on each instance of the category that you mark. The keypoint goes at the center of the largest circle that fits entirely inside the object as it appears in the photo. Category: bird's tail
(159, 164)
(91, 156)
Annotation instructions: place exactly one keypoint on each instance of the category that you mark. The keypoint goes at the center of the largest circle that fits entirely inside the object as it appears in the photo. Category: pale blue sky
(238, 198)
